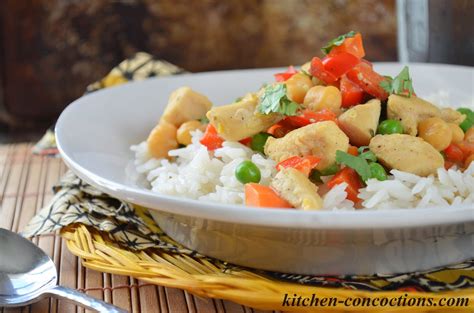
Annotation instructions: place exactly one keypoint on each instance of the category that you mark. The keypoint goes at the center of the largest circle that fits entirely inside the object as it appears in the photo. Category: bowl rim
(288, 218)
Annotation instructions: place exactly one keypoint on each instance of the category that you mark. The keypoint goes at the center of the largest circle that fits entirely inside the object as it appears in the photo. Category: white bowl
(95, 132)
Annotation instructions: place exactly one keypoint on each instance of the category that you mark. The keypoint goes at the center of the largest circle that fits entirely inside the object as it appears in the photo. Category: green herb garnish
(401, 84)
(337, 42)
(275, 100)
(360, 165)
(365, 164)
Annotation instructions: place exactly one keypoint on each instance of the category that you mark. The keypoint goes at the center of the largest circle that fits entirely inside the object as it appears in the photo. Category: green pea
(468, 121)
(390, 127)
(330, 170)
(247, 172)
(258, 142)
(377, 171)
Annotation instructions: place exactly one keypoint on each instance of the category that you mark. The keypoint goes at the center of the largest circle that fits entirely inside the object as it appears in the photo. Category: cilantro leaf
(401, 84)
(337, 42)
(274, 100)
(360, 165)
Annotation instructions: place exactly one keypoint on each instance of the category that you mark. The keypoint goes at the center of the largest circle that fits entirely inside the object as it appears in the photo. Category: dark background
(52, 49)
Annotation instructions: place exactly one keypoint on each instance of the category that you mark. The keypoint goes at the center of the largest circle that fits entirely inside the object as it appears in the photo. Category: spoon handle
(83, 300)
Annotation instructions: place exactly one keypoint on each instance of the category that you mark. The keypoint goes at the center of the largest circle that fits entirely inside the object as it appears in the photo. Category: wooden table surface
(25, 187)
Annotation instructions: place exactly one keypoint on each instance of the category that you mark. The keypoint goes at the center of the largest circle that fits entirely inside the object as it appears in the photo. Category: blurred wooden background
(51, 49)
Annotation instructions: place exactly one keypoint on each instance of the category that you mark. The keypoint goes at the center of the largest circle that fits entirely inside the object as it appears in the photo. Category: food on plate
(406, 153)
(332, 135)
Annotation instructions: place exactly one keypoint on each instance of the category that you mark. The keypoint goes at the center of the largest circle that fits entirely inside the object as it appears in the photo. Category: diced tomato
(351, 93)
(278, 130)
(263, 196)
(281, 77)
(293, 122)
(352, 45)
(303, 164)
(353, 150)
(454, 153)
(351, 178)
(318, 71)
(339, 64)
(211, 138)
(369, 80)
(246, 141)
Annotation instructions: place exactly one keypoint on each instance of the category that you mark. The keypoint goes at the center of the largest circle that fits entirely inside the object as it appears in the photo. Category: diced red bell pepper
(211, 138)
(369, 80)
(308, 117)
(352, 45)
(466, 147)
(246, 141)
(318, 71)
(454, 153)
(278, 130)
(351, 93)
(340, 63)
(351, 178)
(281, 77)
(303, 164)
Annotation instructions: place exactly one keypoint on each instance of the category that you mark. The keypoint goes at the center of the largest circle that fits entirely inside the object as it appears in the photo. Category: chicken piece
(410, 111)
(452, 116)
(321, 139)
(297, 189)
(162, 139)
(240, 120)
(185, 105)
(360, 122)
(406, 153)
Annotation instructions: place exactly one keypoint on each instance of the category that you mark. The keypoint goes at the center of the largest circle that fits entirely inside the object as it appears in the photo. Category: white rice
(196, 173)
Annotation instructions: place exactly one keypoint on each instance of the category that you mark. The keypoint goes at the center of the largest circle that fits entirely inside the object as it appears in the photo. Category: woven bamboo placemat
(26, 184)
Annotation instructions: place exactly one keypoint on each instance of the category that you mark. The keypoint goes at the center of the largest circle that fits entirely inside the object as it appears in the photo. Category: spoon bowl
(28, 275)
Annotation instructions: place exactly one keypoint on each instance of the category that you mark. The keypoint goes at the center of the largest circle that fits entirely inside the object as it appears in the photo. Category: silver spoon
(28, 275)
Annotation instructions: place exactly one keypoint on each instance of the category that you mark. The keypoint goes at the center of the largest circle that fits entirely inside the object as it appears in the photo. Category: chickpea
(458, 133)
(436, 132)
(468, 160)
(184, 131)
(162, 139)
(469, 135)
(297, 86)
(323, 97)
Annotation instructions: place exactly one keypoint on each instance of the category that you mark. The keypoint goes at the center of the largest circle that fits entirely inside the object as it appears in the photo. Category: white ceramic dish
(95, 132)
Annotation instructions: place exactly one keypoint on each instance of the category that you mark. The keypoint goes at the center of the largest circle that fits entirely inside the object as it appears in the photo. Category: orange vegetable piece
(353, 150)
(262, 196)
(211, 139)
(354, 183)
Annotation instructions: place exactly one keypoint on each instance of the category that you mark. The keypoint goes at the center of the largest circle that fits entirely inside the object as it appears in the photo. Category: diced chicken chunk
(240, 120)
(360, 122)
(406, 153)
(185, 105)
(410, 111)
(321, 139)
(297, 189)
(452, 116)
(162, 139)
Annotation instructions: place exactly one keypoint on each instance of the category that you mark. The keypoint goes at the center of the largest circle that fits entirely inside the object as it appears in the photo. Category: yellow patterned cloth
(132, 227)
